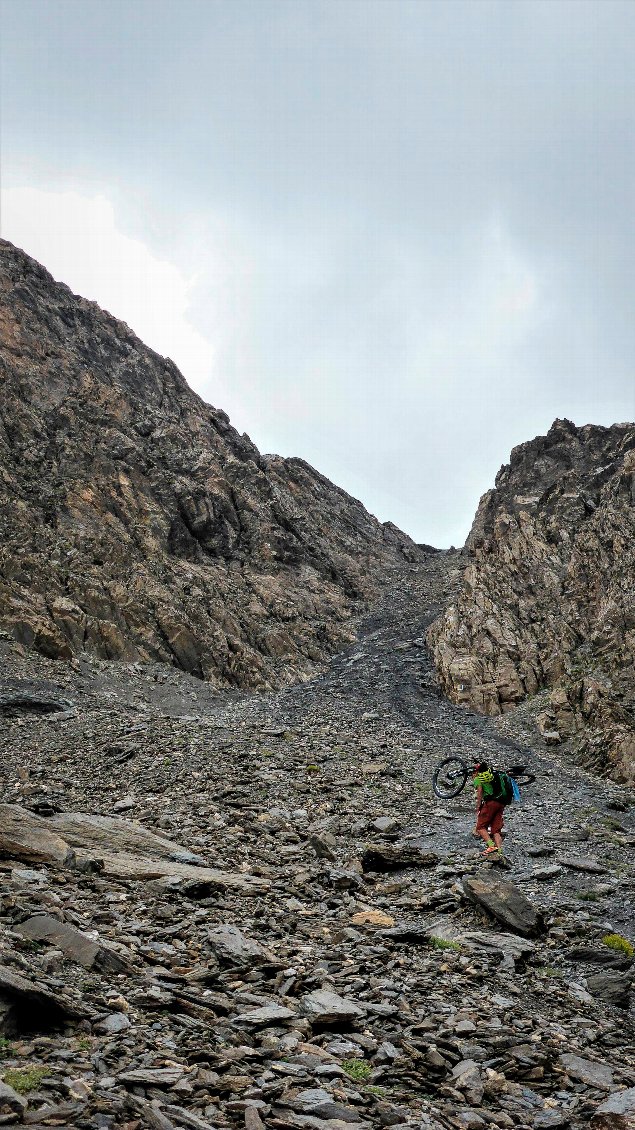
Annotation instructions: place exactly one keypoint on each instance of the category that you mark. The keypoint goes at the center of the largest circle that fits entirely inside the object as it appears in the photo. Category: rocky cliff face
(137, 524)
(547, 607)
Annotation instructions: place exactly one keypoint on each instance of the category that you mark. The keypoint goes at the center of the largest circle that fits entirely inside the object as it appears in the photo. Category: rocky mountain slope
(250, 911)
(547, 604)
(137, 524)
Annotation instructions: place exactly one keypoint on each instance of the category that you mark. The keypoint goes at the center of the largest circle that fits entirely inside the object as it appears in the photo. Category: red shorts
(490, 816)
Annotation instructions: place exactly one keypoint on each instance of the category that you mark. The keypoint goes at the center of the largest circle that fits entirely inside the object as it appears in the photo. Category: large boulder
(232, 946)
(74, 944)
(324, 1009)
(392, 857)
(29, 838)
(611, 985)
(505, 902)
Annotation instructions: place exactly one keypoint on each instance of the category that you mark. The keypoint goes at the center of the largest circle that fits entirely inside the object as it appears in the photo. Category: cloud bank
(392, 238)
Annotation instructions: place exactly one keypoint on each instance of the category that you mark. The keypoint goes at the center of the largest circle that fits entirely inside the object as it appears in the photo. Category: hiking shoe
(490, 850)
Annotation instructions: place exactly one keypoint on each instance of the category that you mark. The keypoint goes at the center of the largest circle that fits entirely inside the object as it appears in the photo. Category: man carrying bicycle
(489, 811)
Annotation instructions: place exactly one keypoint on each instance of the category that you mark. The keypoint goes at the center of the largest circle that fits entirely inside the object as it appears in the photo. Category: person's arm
(478, 802)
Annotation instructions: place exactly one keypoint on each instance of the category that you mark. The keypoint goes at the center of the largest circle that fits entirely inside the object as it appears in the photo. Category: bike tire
(449, 778)
(524, 778)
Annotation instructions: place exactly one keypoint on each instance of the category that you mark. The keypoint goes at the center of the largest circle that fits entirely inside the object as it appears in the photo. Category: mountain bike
(450, 776)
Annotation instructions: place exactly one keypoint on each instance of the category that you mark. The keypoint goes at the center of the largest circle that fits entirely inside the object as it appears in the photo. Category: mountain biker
(489, 812)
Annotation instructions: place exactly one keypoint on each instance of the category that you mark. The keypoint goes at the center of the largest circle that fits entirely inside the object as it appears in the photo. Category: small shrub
(6, 1048)
(617, 942)
(357, 1069)
(444, 944)
(549, 971)
(27, 1080)
(378, 1091)
(612, 824)
(588, 896)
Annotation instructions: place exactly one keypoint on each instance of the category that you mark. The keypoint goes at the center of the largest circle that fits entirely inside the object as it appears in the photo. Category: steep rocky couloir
(138, 524)
(547, 606)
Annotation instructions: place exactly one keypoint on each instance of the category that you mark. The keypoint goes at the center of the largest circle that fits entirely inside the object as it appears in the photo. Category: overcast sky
(394, 238)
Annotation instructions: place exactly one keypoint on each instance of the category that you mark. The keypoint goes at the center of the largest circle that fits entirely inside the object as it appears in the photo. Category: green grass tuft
(26, 1080)
(620, 944)
(357, 1069)
(443, 944)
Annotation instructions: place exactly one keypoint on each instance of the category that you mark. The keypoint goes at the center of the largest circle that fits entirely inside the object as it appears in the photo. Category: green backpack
(502, 788)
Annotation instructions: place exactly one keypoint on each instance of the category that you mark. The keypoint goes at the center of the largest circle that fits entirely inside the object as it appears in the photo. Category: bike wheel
(449, 778)
(521, 775)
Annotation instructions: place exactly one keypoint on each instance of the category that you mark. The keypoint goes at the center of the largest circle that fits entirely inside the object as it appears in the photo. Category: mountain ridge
(547, 607)
(179, 531)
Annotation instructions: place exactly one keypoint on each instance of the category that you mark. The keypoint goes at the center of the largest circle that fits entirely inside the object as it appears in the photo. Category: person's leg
(483, 825)
(496, 826)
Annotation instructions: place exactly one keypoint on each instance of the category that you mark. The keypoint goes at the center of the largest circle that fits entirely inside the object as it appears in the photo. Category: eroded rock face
(548, 601)
(138, 525)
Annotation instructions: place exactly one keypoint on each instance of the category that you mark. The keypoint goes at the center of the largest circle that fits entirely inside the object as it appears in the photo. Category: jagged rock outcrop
(548, 597)
(138, 525)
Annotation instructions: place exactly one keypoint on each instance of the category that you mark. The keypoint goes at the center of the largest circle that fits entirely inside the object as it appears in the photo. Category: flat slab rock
(268, 1016)
(126, 850)
(123, 865)
(616, 1113)
(73, 943)
(587, 1071)
(487, 940)
(425, 934)
(325, 1009)
(18, 701)
(582, 863)
(152, 1076)
(29, 838)
(505, 902)
(321, 1104)
(593, 956)
(113, 834)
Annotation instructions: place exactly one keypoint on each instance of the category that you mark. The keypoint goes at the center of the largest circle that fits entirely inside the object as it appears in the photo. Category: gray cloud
(410, 222)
